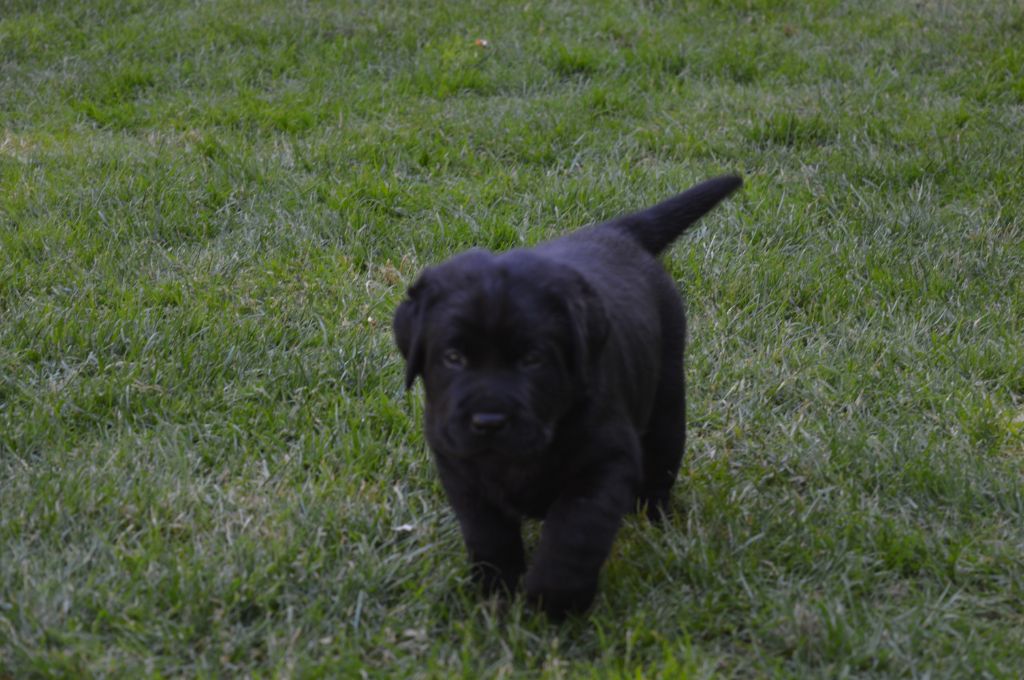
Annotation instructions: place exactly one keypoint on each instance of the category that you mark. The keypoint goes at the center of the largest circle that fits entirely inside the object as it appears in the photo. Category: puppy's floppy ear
(408, 328)
(589, 323)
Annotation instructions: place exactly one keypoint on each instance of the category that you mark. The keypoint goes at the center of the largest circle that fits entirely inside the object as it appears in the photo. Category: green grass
(209, 210)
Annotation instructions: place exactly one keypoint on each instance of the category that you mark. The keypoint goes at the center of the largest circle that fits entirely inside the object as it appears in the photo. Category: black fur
(554, 389)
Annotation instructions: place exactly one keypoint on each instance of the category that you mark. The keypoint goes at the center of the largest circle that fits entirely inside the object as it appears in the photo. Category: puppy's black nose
(488, 423)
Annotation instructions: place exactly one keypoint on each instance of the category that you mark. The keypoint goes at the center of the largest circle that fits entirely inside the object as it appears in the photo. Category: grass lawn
(209, 210)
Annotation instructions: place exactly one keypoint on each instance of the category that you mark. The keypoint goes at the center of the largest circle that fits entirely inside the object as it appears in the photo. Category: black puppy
(554, 389)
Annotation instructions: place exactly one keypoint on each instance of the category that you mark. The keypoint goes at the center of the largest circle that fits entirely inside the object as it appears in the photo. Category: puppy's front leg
(493, 539)
(576, 538)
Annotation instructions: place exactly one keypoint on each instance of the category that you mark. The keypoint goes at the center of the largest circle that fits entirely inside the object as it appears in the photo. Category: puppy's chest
(520, 489)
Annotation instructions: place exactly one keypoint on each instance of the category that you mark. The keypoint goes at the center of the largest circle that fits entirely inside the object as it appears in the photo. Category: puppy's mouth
(512, 440)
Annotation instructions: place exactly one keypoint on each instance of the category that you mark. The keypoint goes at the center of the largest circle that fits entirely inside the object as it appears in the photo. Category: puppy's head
(504, 344)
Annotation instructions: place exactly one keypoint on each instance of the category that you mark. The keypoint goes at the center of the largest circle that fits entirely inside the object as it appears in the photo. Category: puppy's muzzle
(484, 422)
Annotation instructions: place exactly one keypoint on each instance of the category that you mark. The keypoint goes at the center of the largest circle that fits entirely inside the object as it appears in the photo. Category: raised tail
(656, 227)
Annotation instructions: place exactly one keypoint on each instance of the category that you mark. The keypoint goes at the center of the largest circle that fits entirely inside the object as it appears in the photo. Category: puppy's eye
(453, 358)
(531, 359)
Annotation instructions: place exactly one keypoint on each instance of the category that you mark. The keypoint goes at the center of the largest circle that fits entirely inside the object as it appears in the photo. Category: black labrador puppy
(554, 390)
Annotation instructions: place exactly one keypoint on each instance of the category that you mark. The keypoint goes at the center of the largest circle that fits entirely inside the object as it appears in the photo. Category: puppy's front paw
(655, 505)
(560, 600)
(495, 580)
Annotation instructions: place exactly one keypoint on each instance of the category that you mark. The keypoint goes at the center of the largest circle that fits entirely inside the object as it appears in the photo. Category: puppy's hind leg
(665, 439)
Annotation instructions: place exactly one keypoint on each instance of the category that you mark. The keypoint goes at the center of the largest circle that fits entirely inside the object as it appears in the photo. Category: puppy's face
(502, 343)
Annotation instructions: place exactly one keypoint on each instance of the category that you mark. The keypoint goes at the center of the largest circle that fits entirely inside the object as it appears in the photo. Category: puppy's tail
(656, 228)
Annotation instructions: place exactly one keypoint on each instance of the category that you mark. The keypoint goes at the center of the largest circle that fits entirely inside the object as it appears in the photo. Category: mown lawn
(209, 210)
